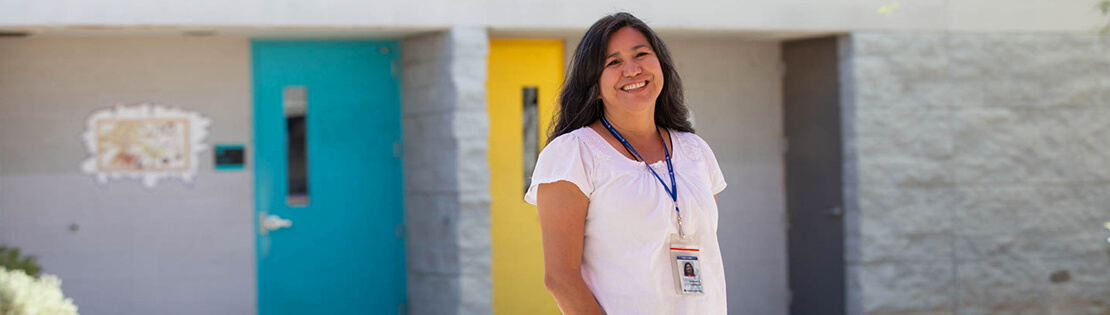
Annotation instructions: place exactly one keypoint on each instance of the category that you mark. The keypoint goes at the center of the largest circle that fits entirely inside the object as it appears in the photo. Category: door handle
(269, 222)
(834, 212)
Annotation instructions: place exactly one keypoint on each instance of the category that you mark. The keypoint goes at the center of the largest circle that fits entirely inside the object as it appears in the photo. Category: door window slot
(295, 106)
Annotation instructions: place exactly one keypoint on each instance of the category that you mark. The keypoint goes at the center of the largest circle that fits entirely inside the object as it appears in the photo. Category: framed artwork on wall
(145, 142)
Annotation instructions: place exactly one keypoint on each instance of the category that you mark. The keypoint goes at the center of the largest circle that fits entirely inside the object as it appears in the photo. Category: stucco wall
(175, 249)
(734, 89)
(716, 15)
(981, 171)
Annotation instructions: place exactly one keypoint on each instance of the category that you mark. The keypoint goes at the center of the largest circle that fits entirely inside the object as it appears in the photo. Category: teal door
(327, 128)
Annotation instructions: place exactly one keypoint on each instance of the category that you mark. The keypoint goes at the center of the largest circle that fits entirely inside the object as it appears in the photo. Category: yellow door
(522, 73)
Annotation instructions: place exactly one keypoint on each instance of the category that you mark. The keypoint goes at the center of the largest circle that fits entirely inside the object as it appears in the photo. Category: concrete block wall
(447, 199)
(978, 173)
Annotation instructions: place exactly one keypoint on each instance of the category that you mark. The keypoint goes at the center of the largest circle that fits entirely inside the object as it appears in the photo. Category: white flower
(21, 294)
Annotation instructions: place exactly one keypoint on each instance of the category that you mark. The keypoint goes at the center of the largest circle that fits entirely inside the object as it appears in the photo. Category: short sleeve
(562, 159)
(716, 177)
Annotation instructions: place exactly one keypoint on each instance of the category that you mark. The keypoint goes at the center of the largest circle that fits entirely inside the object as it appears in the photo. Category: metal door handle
(270, 222)
(834, 212)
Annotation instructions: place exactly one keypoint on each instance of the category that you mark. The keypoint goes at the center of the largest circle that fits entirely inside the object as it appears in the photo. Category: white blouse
(625, 258)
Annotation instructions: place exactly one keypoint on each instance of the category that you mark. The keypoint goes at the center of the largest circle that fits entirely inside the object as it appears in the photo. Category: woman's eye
(641, 54)
(614, 62)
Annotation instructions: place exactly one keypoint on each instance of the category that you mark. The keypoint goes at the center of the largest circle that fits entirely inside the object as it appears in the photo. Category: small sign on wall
(229, 157)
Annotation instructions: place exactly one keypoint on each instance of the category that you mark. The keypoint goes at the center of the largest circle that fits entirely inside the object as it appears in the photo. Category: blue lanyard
(673, 191)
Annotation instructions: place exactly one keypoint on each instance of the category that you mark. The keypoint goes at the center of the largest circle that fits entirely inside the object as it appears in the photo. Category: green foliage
(9, 258)
(888, 9)
(1104, 7)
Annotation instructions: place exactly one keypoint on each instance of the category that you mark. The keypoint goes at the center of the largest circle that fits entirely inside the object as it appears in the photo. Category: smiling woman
(632, 78)
(625, 190)
(580, 102)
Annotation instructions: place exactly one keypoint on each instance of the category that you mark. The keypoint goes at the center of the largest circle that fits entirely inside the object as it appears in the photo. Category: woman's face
(632, 78)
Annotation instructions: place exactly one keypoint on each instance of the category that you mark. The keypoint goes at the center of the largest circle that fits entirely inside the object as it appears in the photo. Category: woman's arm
(562, 210)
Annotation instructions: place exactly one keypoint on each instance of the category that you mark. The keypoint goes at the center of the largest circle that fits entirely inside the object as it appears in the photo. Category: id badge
(685, 264)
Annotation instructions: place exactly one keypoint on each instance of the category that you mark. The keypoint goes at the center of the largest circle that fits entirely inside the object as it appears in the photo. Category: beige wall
(174, 249)
(735, 92)
(720, 15)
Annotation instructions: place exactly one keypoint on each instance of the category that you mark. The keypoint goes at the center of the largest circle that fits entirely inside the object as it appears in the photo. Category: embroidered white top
(625, 255)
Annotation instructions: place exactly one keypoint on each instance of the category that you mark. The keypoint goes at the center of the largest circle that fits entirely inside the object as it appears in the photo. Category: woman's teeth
(634, 86)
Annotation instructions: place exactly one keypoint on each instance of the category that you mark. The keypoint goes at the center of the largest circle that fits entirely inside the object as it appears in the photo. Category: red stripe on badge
(685, 249)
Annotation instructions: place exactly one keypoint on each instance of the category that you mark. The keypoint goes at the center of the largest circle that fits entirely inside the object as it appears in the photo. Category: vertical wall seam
(850, 180)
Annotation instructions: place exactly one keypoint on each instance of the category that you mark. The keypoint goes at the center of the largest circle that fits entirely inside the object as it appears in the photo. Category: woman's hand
(562, 211)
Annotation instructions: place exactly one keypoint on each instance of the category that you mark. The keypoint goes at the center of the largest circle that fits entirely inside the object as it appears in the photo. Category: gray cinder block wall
(978, 173)
(446, 130)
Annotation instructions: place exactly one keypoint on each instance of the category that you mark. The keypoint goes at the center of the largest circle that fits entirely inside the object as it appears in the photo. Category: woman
(609, 221)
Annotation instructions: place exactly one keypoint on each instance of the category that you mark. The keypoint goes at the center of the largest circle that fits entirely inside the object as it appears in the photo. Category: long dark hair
(579, 105)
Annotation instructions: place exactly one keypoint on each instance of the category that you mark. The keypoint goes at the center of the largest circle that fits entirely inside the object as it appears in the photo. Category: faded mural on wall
(147, 142)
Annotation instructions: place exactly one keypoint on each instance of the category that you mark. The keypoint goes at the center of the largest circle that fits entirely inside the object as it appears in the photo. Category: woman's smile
(635, 87)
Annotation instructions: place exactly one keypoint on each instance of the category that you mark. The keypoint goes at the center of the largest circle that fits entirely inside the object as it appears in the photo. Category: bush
(9, 258)
(22, 294)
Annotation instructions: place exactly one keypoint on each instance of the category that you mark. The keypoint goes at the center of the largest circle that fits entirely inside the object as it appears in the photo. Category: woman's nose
(632, 68)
